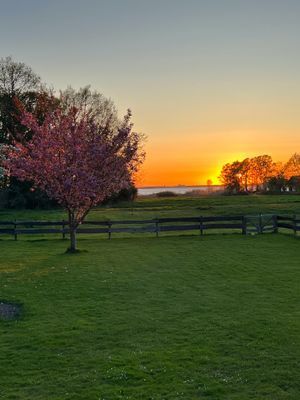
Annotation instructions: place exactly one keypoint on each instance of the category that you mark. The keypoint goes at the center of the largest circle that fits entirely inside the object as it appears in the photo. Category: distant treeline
(262, 174)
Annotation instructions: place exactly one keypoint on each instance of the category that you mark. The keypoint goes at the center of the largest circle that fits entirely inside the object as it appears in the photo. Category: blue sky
(194, 72)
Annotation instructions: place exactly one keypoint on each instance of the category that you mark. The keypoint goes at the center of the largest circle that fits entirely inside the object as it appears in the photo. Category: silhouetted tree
(249, 174)
(261, 168)
(244, 174)
(230, 176)
(294, 183)
(17, 80)
(100, 108)
(277, 183)
(292, 167)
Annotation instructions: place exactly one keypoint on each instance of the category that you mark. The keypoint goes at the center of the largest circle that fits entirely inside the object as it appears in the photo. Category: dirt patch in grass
(9, 311)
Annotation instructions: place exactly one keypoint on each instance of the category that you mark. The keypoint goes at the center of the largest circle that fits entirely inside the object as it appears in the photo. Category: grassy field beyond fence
(155, 209)
(147, 208)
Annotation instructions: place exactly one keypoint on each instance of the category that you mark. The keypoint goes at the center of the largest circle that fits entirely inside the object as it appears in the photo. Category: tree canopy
(261, 173)
(21, 90)
(75, 160)
(17, 81)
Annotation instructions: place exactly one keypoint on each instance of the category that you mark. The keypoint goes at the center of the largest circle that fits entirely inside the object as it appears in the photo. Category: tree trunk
(72, 228)
(73, 243)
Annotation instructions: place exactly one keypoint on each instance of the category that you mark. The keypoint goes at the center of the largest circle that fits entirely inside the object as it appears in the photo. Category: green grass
(183, 206)
(144, 318)
(182, 317)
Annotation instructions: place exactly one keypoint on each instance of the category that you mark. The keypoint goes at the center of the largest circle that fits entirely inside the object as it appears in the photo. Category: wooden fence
(251, 224)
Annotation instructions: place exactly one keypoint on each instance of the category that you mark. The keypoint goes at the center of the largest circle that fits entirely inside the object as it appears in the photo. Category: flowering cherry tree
(2, 160)
(76, 160)
(4, 150)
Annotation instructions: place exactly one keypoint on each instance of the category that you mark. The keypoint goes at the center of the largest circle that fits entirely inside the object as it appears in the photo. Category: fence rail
(246, 224)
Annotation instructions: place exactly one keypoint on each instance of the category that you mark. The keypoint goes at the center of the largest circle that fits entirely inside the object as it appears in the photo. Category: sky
(208, 81)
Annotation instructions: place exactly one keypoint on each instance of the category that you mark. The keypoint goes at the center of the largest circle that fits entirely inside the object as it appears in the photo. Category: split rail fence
(249, 224)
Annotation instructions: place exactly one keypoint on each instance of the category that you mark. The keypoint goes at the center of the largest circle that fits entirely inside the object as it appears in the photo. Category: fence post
(63, 229)
(201, 225)
(156, 227)
(260, 224)
(275, 223)
(109, 229)
(244, 226)
(15, 228)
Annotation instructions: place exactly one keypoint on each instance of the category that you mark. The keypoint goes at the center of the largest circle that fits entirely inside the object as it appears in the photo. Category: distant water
(146, 191)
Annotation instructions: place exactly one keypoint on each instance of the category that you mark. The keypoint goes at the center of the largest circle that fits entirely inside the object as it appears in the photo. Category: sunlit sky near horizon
(208, 81)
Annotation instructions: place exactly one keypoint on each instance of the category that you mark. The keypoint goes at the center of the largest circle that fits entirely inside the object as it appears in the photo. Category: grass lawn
(144, 318)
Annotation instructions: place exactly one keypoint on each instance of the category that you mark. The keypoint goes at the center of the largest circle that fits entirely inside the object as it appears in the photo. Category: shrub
(166, 193)
(127, 194)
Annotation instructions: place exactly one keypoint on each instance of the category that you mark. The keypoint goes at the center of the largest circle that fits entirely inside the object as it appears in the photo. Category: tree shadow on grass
(10, 311)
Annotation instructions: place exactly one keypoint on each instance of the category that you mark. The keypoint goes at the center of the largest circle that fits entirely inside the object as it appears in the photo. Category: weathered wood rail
(245, 224)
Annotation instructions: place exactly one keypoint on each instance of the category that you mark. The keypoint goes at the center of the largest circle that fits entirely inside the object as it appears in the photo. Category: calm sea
(146, 191)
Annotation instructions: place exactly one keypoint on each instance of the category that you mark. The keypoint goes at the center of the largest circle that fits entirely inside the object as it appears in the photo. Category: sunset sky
(208, 81)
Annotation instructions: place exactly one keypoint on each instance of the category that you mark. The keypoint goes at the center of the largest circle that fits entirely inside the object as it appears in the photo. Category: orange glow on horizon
(193, 160)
